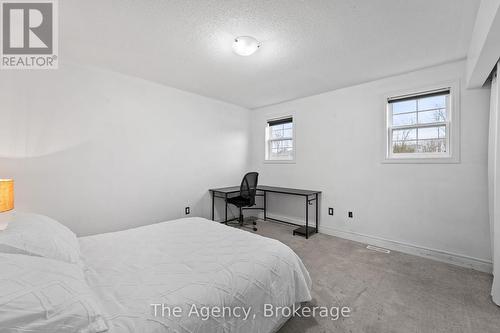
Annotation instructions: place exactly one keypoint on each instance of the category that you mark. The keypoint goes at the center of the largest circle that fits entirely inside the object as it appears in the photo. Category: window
(419, 125)
(279, 140)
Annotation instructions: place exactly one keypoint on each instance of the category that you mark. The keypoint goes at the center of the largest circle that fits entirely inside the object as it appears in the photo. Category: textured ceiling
(309, 46)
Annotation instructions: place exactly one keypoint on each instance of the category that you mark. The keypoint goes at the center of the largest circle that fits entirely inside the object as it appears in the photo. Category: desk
(262, 190)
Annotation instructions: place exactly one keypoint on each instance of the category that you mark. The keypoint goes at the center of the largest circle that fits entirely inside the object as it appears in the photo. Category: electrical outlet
(187, 210)
(349, 215)
(330, 211)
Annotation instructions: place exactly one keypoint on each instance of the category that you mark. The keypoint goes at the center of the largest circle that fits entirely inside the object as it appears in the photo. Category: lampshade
(6, 195)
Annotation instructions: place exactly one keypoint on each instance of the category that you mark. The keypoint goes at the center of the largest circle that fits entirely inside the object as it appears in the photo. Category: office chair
(246, 198)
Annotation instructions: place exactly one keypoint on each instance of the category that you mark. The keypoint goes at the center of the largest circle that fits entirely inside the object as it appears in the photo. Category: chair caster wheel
(254, 222)
(254, 229)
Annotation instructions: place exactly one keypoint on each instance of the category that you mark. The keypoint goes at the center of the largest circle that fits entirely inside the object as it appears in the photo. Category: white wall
(494, 182)
(340, 137)
(101, 151)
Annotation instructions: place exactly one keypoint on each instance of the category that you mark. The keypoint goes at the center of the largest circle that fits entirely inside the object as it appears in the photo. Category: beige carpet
(387, 293)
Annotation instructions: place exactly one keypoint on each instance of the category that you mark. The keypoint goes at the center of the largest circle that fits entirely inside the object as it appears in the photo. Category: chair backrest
(248, 187)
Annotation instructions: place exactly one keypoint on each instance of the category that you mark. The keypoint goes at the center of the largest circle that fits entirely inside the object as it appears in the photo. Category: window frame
(452, 125)
(268, 140)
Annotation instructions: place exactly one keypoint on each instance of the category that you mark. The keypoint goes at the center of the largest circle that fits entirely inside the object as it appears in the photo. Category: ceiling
(309, 46)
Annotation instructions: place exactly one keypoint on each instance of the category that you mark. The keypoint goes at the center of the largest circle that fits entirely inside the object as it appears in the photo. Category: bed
(139, 276)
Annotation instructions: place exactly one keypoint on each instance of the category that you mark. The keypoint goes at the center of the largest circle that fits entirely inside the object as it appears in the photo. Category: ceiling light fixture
(245, 45)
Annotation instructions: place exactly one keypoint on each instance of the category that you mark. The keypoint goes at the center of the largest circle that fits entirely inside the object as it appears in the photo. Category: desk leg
(307, 217)
(316, 212)
(213, 206)
(225, 214)
(265, 206)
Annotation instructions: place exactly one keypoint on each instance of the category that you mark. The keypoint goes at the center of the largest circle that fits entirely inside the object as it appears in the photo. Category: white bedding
(191, 261)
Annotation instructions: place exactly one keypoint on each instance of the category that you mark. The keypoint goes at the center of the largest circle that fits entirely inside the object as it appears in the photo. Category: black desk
(262, 190)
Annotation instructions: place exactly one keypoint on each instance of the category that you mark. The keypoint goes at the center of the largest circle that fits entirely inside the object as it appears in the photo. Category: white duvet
(190, 264)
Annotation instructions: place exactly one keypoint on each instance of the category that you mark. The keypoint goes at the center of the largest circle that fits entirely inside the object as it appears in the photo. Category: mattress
(172, 276)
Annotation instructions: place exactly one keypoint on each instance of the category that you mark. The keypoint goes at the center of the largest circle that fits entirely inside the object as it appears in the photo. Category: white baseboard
(439, 255)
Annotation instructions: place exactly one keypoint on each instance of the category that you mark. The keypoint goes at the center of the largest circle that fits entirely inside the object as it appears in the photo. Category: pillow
(46, 296)
(39, 235)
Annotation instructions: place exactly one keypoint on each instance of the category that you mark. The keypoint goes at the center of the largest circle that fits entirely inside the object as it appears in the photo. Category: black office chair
(246, 198)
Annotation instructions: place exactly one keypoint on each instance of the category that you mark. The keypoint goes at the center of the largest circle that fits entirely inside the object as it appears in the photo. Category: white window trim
(266, 141)
(452, 128)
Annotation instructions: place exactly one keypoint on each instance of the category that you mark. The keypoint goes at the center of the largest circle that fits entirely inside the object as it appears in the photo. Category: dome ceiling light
(245, 45)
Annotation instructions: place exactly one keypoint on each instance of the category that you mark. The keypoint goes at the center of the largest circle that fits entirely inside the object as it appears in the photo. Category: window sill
(279, 161)
(421, 160)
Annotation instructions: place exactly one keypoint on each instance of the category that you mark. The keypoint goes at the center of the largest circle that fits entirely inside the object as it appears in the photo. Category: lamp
(6, 199)
(245, 45)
